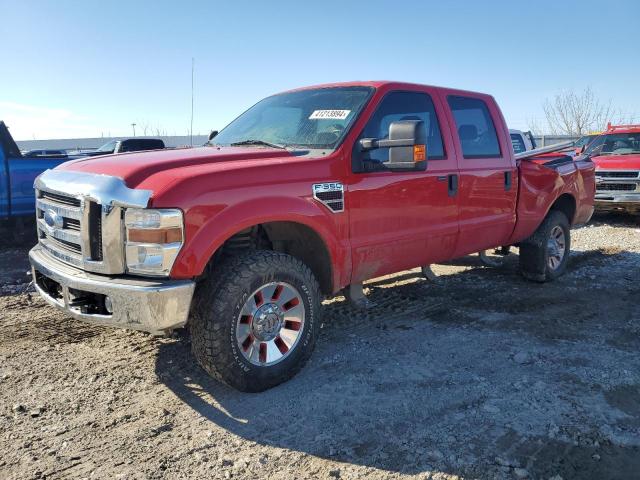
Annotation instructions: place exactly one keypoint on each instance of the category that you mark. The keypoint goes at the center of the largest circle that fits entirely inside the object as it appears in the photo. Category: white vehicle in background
(521, 141)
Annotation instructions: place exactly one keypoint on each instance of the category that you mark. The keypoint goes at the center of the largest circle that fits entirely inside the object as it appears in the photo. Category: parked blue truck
(17, 173)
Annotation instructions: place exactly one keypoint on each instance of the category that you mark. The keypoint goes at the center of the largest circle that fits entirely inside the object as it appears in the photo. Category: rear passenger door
(488, 174)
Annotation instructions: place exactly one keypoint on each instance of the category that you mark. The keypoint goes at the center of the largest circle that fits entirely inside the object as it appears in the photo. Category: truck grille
(69, 228)
(626, 187)
(61, 199)
(80, 218)
(617, 174)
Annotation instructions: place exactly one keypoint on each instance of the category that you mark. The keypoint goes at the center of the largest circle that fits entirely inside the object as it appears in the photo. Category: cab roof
(622, 129)
(391, 84)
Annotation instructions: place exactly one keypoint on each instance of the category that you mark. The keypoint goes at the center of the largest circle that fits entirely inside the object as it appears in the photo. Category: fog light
(108, 306)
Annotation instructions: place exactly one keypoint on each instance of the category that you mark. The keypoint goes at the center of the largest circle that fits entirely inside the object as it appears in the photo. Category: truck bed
(545, 179)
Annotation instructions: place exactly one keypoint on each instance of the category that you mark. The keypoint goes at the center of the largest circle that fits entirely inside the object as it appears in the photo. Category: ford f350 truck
(308, 193)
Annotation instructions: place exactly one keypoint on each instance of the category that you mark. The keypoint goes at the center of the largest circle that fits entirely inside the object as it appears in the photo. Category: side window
(595, 144)
(518, 143)
(397, 106)
(475, 127)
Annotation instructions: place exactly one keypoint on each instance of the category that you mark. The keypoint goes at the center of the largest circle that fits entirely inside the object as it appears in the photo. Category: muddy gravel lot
(480, 375)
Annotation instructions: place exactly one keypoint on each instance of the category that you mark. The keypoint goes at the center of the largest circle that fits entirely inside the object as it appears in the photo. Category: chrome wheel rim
(556, 247)
(270, 324)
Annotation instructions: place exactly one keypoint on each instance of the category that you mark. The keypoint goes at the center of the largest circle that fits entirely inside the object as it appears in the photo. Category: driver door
(402, 219)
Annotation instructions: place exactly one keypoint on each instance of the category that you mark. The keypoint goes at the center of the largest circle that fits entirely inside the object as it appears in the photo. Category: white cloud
(27, 122)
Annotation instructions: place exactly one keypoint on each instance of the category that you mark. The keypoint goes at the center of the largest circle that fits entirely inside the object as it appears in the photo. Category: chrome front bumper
(150, 305)
(617, 201)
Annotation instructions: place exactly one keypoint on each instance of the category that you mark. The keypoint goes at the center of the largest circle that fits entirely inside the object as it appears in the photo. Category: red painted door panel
(488, 175)
(401, 220)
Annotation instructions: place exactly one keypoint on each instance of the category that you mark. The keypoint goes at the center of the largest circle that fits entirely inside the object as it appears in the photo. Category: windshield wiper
(258, 142)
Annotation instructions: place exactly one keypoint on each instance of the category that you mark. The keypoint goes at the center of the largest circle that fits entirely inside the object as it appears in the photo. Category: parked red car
(616, 154)
(306, 194)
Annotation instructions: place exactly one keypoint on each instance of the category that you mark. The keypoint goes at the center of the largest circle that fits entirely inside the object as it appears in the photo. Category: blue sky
(91, 68)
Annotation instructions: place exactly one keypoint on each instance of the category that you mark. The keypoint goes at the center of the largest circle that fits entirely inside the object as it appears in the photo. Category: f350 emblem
(52, 219)
(330, 194)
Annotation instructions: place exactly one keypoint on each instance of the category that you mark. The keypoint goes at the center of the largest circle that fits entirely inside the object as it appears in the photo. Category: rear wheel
(255, 322)
(544, 255)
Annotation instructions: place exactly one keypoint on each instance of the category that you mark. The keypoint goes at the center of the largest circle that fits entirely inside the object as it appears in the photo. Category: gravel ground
(480, 375)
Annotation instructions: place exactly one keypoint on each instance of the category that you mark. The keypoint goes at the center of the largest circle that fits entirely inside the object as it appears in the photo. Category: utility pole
(134, 129)
(193, 62)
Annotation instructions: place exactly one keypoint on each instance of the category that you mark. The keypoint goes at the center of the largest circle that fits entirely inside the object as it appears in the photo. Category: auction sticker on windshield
(329, 114)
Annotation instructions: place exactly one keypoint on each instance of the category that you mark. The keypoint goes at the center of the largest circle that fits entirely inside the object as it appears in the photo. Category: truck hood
(135, 167)
(617, 162)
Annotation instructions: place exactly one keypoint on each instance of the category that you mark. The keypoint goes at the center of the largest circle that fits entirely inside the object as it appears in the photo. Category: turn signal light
(419, 153)
(158, 235)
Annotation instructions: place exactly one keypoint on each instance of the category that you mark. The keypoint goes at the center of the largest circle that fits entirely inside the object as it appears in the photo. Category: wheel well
(567, 205)
(292, 238)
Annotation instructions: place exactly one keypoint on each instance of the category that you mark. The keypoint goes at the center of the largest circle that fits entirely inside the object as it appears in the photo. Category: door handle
(452, 184)
(507, 180)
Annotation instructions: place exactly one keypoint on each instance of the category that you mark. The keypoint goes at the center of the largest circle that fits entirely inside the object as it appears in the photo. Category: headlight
(154, 238)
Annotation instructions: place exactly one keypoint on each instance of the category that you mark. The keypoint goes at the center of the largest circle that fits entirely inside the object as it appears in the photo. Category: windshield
(317, 118)
(107, 147)
(584, 140)
(615, 144)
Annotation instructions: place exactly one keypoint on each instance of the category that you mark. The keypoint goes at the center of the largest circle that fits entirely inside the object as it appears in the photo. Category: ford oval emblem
(52, 219)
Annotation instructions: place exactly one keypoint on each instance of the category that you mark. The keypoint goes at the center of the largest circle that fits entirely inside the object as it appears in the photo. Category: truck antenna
(193, 61)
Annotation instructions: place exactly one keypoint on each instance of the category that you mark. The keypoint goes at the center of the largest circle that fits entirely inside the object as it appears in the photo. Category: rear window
(518, 143)
(141, 144)
(475, 127)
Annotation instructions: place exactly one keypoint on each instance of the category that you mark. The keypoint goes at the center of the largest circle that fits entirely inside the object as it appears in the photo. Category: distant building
(93, 143)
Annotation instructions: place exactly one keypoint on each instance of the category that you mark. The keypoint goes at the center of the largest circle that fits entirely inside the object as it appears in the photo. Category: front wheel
(255, 322)
(544, 255)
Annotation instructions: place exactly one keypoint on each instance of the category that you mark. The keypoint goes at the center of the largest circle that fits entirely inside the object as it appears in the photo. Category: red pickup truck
(306, 194)
(616, 154)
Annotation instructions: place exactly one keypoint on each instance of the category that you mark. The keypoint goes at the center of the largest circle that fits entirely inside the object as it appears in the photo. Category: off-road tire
(534, 253)
(216, 308)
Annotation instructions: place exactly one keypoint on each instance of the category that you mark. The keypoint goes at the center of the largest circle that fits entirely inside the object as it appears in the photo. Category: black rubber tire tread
(216, 304)
(533, 250)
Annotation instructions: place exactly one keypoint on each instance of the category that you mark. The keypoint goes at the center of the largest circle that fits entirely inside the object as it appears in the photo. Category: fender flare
(209, 237)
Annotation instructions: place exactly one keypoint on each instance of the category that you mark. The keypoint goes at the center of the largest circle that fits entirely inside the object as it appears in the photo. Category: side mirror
(213, 134)
(406, 143)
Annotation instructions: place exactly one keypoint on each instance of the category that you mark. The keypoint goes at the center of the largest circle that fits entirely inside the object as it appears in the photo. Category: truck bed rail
(537, 151)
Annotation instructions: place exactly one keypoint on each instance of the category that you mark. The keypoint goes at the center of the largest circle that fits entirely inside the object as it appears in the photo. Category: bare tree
(534, 126)
(148, 128)
(144, 126)
(571, 113)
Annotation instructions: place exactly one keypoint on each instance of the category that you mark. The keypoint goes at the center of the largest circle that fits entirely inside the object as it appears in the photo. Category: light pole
(134, 129)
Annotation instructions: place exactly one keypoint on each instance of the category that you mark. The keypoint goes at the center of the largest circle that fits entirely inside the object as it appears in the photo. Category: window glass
(619, 144)
(595, 145)
(107, 147)
(312, 118)
(518, 143)
(402, 106)
(584, 140)
(475, 127)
